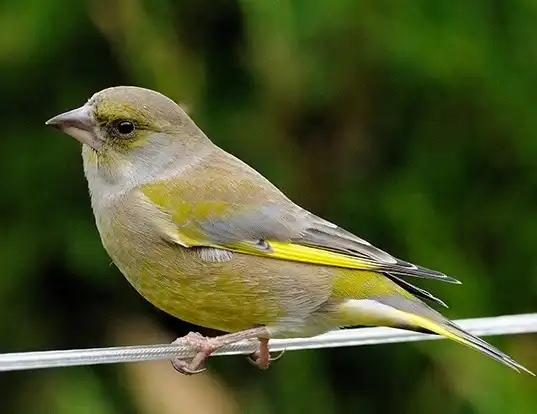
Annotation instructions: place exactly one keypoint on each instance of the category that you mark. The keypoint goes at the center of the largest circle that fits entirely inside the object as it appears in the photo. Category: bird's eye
(125, 127)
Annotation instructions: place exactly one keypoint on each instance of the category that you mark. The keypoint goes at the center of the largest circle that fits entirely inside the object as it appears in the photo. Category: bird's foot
(204, 347)
(201, 345)
(262, 358)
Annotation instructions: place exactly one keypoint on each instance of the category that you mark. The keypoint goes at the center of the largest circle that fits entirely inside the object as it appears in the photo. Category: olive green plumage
(208, 239)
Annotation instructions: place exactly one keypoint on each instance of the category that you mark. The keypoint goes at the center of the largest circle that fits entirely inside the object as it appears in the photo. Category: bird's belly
(233, 295)
(215, 295)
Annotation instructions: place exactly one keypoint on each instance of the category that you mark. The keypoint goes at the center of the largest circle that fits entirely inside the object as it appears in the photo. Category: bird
(206, 238)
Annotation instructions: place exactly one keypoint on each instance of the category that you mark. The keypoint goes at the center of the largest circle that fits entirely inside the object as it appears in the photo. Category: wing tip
(438, 275)
(452, 280)
(408, 269)
(415, 290)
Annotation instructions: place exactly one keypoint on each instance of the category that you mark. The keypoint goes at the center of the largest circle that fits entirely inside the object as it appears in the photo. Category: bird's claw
(262, 358)
(202, 345)
(278, 356)
(258, 362)
(184, 367)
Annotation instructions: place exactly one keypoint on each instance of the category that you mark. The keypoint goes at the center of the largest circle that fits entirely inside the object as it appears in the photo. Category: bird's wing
(325, 236)
(258, 230)
(240, 211)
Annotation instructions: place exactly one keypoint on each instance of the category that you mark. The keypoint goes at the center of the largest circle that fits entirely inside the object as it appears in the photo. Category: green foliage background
(413, 124)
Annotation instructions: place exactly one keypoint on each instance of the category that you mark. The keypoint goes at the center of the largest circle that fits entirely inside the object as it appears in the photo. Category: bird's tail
(410, 313)
(451, 331)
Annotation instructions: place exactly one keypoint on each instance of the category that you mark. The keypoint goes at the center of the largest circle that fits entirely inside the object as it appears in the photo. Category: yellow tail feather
(453, 332)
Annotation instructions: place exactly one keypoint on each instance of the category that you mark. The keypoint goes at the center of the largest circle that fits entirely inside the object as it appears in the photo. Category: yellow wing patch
(304, 254)
(185, 216)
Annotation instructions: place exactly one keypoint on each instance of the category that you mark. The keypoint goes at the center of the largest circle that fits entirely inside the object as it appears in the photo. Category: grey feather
(288, 222)
(416, 291)
(210, 254)
(261, 212)
(333, 238)
(325, 235)
(253, 224)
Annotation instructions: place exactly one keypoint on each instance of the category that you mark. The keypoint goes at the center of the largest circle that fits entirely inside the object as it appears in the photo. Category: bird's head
(128, 128)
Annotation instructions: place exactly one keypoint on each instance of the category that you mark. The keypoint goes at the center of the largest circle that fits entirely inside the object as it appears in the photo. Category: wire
(499, 325)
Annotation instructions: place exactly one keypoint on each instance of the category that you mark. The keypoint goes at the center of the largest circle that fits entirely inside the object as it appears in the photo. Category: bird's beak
(80, 124)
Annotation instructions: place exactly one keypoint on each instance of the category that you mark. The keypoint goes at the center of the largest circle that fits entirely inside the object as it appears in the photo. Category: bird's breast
(237, 294)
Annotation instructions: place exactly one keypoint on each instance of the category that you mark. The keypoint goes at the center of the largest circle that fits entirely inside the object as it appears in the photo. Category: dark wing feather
(325, 235)
(416, 291)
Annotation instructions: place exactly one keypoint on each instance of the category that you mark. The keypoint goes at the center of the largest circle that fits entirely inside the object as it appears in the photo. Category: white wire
(499, 325)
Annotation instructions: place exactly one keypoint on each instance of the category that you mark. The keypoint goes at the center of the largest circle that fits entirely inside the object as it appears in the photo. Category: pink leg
(261, 358)
(205, 346)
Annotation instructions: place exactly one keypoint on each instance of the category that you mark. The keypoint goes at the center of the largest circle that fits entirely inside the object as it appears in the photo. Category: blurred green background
(412, 124)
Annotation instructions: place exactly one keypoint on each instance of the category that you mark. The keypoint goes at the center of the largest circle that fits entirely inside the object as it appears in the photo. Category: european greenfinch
(209, 240)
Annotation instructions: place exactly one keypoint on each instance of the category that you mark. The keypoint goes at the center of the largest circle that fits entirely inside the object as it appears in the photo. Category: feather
(416, 291)
(247, 214)
(399, 311)
(324, 235)
(210, 254)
